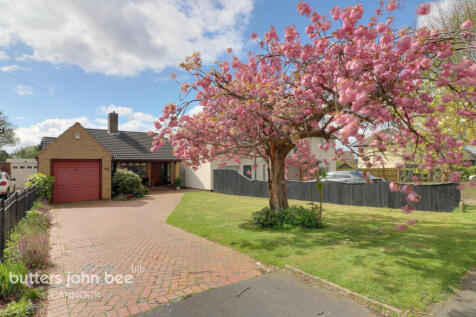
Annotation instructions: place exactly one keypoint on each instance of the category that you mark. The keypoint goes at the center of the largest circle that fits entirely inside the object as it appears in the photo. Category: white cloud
(11, 68)
(437, 9)
(20, 118)
(3, 56)
(127, 112)
(124, 37)
(135, 125)
(195, 110)
(23, 90)
(129, 120)
(50, 127)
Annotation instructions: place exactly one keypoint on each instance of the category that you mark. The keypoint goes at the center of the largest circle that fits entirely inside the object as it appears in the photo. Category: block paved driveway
(92, 238)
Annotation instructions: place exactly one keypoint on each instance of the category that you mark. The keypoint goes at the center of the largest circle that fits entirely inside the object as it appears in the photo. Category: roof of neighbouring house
(344, 166)
(126, 145)
(366, 141)
(468, 155)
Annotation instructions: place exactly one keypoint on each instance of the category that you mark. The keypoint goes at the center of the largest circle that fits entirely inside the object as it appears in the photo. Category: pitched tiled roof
(46, 141)
(468, 155)
(126, 145)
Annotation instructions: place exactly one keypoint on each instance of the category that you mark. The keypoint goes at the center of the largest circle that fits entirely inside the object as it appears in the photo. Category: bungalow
(84, 160)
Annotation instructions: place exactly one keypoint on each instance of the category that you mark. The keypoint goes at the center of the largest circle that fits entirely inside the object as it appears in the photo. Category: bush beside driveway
(358, 248)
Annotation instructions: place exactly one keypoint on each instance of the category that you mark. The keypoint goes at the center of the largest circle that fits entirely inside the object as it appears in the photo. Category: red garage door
(76, 181)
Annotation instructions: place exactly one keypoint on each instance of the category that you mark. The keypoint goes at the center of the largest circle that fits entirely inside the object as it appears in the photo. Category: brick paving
(131, 238)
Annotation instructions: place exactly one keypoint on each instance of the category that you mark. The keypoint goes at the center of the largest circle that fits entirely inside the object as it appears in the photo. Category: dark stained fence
(12, 210)
(438, 197)
(5, 167)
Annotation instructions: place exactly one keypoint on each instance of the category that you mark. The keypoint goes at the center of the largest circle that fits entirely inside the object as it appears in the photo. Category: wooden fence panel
(437, 197)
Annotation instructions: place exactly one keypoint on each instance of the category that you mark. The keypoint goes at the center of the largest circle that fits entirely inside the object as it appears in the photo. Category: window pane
(247, 171)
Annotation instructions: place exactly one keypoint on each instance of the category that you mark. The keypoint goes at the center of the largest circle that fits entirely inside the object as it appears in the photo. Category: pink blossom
(401, 227)
(467, 24)
(413, 197)
(407, 189)
(455, 177)
(304, 9)
(411, 221)
(399, 165)
(408, 209)
(394, 187)
(229, 50)
(447, 98)
(392, 5)
(150, 133)
(423, 9)
(472, 142)
(254, 35)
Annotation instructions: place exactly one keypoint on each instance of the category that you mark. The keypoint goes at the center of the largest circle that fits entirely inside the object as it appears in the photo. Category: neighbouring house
(21, 168)
(349, 159)
(83, 160)
(343, 166)
(202, 178)
(469, 155)
(390, 159)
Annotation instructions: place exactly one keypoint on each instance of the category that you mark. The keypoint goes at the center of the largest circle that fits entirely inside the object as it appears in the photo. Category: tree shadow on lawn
(432, 249)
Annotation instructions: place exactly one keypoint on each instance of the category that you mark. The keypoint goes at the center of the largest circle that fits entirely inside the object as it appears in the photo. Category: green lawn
(358, 248)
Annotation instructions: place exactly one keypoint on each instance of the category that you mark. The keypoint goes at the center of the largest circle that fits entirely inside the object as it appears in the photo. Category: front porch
(152, 173)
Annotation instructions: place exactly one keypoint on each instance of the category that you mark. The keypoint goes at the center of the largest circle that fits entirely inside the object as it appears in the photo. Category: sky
(74, 61)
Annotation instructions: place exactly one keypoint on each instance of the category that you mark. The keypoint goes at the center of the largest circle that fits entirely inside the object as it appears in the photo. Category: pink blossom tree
(341, 82)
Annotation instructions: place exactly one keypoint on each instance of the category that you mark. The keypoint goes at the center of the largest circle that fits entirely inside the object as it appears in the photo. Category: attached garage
(76, 180)
(80, 165)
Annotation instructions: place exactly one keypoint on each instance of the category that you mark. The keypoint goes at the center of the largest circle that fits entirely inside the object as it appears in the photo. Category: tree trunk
(278, 197)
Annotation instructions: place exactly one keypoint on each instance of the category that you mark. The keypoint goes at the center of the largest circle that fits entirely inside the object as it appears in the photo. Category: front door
(159, 173)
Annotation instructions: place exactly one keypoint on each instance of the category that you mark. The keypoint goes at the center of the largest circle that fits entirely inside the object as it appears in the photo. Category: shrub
(178, 182)
(7, 288)
(31, 249)
(33, 293)
(127, 183)
(293, 216)
(28, 243)
(266, 217)
(468, 171)
(43, 183)
(22, 308)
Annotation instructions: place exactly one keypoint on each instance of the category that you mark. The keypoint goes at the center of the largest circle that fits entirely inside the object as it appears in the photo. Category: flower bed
(26, 253)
